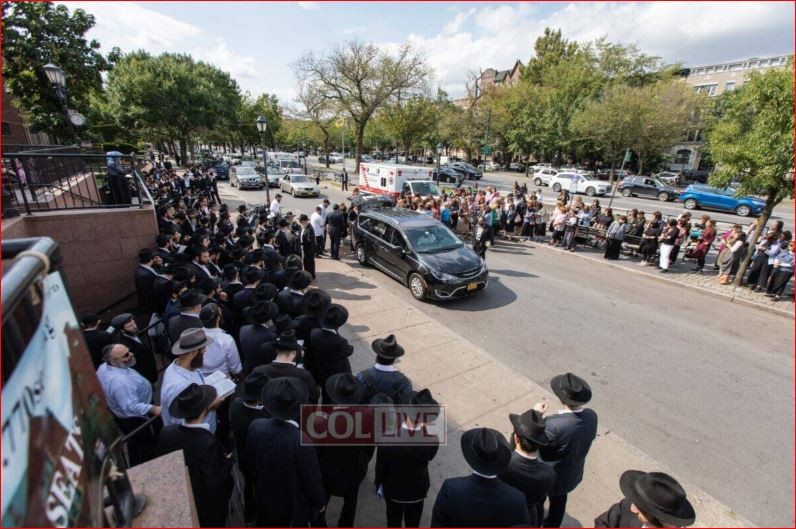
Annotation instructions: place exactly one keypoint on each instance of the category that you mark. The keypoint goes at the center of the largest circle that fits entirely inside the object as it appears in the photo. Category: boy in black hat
(652, 499)
(481, 499)
(257, 332)
(210, 469)
(284, 365)
(384, 377)
(526, 472)
(190, 304)
(307, 237)
(96, 338)
(329, 351)
(572, 431)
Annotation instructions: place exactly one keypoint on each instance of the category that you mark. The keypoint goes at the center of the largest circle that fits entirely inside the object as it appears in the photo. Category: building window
(729, 86)
(6, 129)
(683, 157)
(709, 89)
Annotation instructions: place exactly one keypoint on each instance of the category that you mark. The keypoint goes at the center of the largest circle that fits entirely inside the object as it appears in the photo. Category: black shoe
(664, 271)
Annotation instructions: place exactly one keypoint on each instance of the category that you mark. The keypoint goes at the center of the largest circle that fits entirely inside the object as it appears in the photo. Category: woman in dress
(614, 237)
(731, 254)
(702, 248)
(649, 243)
(668, 240)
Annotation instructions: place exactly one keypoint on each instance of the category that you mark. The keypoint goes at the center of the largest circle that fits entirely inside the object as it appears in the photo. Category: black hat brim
(627, 484)
(378, 348)
(516, 422)
(291, 413)
(489, 468)
(209, 394)
(557, 385)
(349, 400)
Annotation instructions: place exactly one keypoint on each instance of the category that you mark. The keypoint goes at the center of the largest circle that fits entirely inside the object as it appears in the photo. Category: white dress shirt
(276, 207)
(221, 355)
(127, 392)
(316, 220)
(176, 379)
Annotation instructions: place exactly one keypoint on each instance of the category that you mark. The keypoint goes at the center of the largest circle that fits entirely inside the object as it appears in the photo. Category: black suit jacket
(179, 323)
(571, 435)
(96, 340)
(336, 223)
(475, 501)
(285, 242)
(403, 471)
(278, 369)
(240, 417)
(209, 469)
(342, 467)
(287, 477)
(251, 338)
(240, 301)
(159, 293)
(201, 275)
(326, 355)
(618, 515)
(533, 478)
(308, 242)
(144, 281)
(291, 303)
(144, 357)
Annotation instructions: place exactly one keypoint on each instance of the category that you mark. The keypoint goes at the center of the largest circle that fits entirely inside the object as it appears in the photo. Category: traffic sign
(486, 149)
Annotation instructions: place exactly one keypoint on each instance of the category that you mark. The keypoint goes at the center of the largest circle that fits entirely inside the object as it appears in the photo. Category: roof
(501, 75)
(400, 216)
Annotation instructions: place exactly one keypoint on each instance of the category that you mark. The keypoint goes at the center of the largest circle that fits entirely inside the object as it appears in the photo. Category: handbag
(517, 219)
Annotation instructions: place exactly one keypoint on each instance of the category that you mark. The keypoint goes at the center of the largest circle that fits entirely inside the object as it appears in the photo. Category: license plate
(472, 286)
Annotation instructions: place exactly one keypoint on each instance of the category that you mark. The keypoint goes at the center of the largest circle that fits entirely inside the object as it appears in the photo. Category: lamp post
(439, 157)
(57, 78)
(261, 126)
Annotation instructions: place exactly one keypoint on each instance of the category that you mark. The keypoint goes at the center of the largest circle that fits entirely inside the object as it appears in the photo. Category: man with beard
(184, 371)
(127, 335)
(129, 397)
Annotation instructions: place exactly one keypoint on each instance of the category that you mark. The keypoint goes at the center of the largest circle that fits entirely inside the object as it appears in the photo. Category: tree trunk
(360, 143)
(761, 222)
(611, 174)
(183, 150)
(640, 166)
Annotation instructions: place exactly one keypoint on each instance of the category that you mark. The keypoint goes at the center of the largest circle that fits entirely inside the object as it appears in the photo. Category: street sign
(486, 150)
(628, 156)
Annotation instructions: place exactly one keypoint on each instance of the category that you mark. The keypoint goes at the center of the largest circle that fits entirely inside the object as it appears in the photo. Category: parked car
(334, 157)
(245, 178)
(299, 185)
(248, 163)
(703, 196)
(544, 176)
(420, 252)
(468, 170)
(491, 165)
(586, 184)
(648, 187)
(447, 175)
(222, 171)
(518, 167)
(368, 158)
(671, 178)
(368, 201)
(273, 174)
(619, 174)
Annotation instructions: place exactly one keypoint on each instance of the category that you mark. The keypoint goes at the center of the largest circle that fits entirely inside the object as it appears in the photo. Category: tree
(410, 120)
(360, 78)
(37, 33)
(173, 95)
(550, 49)
(752, 144)
(318, 107)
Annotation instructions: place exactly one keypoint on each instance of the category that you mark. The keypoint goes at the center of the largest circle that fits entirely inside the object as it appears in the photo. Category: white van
(392, 179)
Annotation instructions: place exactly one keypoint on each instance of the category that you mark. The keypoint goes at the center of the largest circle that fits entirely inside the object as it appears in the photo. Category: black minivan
(420, 252)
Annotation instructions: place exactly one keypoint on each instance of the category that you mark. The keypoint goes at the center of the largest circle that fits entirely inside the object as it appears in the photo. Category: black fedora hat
(425, 402)
(192, 298)
(253, 385)
(283, 397)
(264, 292)
(119, 321)
(315, 302)
(252, 274)
(387, 347)
(192, 401)
(209, 284)
(486, 451)
(236, 252)
(261, 312)
(345, 388)
(659, 495)
(334, 316)
(300, 280)
(190, 340)
(287, 342)
(283, 322)
(303, 216)
(571, 389)
(530, 425)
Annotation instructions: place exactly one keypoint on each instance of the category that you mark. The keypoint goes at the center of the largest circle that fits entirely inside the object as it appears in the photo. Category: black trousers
(140, 447)
(319, 244)
(223, 428)
(674, 254)
(335, 239)
(309, 263)
(349, 510)
(763, 273)
(779, 280)
(403, 514)
(555, 513)
(612, 248)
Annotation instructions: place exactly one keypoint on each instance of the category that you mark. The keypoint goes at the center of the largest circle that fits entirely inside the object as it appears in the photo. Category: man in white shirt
(276, 207)
(129, 397)
(317, 220)
(222, 354)
(324, 211)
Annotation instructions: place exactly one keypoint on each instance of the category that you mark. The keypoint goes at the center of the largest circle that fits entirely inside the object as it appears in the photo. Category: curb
(728, 297)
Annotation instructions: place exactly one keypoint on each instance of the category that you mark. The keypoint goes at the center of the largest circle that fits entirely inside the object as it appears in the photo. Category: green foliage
(410, 120)
(37, 33)
(550, 49)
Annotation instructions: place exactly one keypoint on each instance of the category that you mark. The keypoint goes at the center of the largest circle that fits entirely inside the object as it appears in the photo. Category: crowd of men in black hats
(217, 297)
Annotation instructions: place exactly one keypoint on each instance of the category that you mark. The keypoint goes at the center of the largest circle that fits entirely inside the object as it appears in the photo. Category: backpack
(445, 215)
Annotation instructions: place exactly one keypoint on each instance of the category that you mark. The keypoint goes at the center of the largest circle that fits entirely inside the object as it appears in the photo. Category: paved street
(504, 181)
(703, 385)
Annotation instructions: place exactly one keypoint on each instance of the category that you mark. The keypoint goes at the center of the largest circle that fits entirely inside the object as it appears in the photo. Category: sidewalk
(478, 391)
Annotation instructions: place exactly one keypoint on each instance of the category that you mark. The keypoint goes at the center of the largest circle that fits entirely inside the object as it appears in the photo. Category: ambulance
(392, 179)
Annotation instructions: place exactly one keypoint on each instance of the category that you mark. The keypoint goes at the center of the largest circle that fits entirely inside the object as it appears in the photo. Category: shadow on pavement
(511, 273)
(495, 296)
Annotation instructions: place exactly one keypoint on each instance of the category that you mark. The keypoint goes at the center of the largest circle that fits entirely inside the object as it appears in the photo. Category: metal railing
(36, 181)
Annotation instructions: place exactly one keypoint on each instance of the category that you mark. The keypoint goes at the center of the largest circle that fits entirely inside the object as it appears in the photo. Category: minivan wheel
(690, 203)
(589, 191)
(663, 197)
(361, 256)
(417, 286)
(537, 182)
(557, 187)
(743, 211)
(626, 192)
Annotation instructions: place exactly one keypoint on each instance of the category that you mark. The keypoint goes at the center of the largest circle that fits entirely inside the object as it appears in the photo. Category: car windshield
(587, 176)
(298, 179)
(425, 188)
(248, 164)
(291, 164)
(659, 183)
(246, 171)
(434, 238)
(466, 165)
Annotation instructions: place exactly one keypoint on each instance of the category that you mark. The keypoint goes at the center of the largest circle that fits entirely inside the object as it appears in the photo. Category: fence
(51, 179)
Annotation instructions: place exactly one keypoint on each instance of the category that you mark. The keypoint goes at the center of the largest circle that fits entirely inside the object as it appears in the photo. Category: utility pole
(626, 159)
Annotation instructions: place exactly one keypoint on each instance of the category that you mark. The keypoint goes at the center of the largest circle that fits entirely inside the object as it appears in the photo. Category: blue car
(222, 171)
(702, 196)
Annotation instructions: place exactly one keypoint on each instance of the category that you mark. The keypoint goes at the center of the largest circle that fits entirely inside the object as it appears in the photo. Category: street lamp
(57, 78)
(439, 156)
(261, 126)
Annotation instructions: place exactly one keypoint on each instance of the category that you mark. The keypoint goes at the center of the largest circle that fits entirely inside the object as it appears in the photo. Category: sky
(258, 41)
